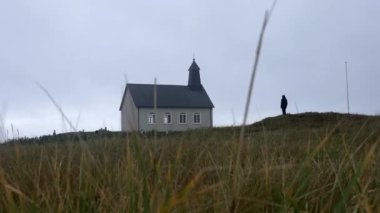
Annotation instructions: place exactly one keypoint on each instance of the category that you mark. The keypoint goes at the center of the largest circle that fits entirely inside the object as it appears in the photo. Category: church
(165, 108)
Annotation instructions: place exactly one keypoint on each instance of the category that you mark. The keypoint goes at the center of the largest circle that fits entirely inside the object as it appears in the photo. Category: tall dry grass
(291, 167)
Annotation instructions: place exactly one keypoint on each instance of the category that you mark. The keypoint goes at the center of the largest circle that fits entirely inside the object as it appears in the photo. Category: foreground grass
(312, 162)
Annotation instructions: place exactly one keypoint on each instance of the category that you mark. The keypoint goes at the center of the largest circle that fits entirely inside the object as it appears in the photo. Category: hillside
(316, 120)
(302, 162)
(309, 122)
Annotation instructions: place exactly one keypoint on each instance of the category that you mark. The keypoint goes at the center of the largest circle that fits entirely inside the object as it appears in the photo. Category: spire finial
(193, 56)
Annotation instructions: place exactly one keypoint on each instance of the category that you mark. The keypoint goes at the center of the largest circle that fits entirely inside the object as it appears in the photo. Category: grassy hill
(302, 162)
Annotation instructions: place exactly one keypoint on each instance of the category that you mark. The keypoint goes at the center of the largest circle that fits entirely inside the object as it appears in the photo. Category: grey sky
(83, 51)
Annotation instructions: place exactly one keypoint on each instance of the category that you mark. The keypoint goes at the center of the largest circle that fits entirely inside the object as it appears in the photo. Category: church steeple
(194, 77)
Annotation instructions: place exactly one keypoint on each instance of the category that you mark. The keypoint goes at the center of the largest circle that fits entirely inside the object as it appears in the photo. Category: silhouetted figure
(54, 133)
(284, 104)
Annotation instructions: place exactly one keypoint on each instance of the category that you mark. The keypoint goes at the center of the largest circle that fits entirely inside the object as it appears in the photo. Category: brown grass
(310, 162)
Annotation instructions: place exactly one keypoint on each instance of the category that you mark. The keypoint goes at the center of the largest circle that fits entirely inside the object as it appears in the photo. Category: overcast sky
(84, 51)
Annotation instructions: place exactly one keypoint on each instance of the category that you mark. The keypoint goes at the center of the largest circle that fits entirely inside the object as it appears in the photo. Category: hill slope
(304, 162)
(317, 120)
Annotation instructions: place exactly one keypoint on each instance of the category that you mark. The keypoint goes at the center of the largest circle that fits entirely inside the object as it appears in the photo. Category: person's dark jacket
(284, 102)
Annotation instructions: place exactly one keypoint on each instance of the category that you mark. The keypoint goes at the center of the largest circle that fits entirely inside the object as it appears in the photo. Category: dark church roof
(168, 96)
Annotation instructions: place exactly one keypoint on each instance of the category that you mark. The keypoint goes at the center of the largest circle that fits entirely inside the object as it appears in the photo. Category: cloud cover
(85, 51)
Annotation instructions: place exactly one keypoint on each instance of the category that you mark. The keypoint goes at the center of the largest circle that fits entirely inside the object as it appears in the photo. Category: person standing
(284, 104)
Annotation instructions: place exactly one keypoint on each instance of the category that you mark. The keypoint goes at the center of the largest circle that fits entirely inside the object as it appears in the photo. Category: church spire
(194, 77)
